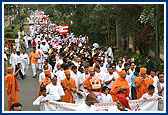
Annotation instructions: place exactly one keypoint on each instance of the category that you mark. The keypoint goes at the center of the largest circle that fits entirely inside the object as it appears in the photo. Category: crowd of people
(73, 72)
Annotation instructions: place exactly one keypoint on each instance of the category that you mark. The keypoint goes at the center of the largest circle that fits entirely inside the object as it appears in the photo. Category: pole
(156, 33)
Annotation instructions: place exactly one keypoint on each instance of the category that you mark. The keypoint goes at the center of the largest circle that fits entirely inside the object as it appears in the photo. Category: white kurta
(78, 100)
(58, 60)
(119, 69)
(55, 91)
(103, 69)
(155, 79)
(76, 77)
(17, 44)
(156, 89)
(25, 63)
(60, 76)
(110, 53)
(128, 78)
(41, 76)
(131, 72)
(44, 48)
(42, 98)
(13, 61)
(18, 59)
(85, 107)
(104, 98)
(49, 67)
(26, 41)
(109, 77)
(146, 95)
(102, 75)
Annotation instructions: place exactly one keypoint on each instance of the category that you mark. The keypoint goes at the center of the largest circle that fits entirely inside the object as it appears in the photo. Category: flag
(62, 29)
(57, 29)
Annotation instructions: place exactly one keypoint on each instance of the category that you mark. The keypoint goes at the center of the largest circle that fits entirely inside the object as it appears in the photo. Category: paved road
(29, 88)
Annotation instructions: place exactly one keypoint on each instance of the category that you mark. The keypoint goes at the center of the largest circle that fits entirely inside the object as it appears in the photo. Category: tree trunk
(156, 33)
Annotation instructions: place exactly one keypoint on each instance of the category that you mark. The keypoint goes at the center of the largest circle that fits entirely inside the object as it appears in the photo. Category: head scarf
(121, 97)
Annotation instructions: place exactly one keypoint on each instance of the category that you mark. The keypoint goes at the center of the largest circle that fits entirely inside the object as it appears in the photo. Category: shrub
(159, 65)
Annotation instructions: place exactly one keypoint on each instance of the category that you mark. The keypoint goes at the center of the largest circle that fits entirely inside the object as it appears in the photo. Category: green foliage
(139, 59)
(158, 64)
(13, 33)
(23, 16)
(9, 35)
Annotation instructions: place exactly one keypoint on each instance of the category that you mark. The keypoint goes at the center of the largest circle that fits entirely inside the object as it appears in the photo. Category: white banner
(136, 105)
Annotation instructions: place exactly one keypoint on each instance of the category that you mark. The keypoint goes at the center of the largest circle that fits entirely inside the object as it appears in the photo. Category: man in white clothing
(46, 63)
(44, 47)
(132, 68)
(100, 73)
(59, 73)
(45, 50)
(102, 67)
(13, 59)
(5, 62)
(120, 66)
(89, 103)
(151, 93)
(159, 89)
(18, 63)
(75, 60)
(111, 77)
(153, 75)
(25, 62)
(76, 76)
(59, 59)
(55, 90)
(26, 40)
(29, 38)
(110, 53)
(17, 44)
(39, 51)
(105, 97)
(19, 34)
(79, 97)
(41, 100)
(83, 77)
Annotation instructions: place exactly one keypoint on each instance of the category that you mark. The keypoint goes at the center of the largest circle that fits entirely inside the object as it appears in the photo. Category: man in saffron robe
(69, 86)
(87, 83)
(142, 82)
(46, 80)
(11, 86)
(120, 84)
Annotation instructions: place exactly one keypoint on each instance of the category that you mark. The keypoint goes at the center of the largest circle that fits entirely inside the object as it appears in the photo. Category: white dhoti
(17, 47)
(24, 68)
(40, 63)
(34, 67)
(13, 67)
